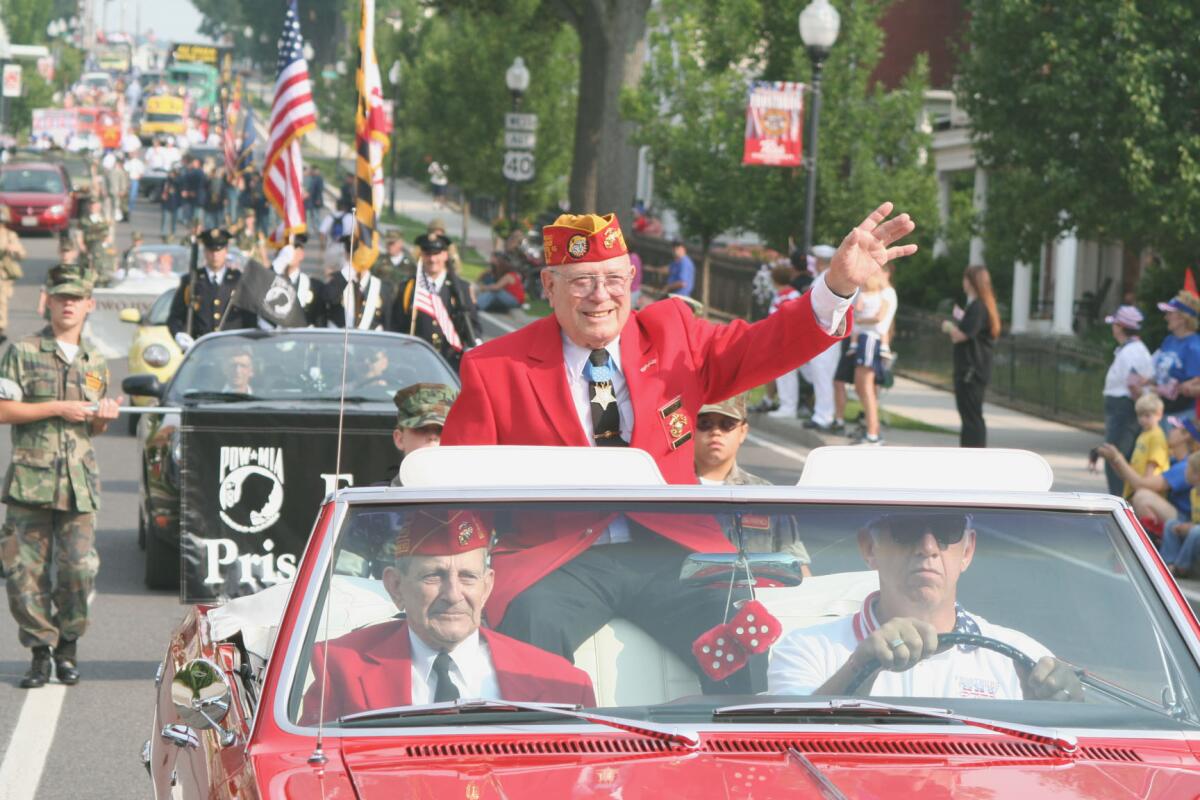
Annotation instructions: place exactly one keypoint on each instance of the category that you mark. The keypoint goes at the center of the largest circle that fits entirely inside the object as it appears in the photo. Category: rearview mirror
(766, 569)
(130, 315)
(142, 385)
(200, 694)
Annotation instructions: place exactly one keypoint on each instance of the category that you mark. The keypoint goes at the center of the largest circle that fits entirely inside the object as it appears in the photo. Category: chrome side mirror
(201, 694)
(765, 569)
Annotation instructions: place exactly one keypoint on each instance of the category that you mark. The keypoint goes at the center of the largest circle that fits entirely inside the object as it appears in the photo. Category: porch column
(940, 245)
(979, 202)
(1066, 251)
(1022, 285)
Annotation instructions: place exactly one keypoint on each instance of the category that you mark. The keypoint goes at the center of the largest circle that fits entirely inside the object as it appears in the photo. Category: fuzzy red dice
(754, 627)
(718, 652)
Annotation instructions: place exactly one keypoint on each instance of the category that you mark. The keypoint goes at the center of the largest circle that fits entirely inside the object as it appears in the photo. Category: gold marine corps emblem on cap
(577, 246)
(611, 237)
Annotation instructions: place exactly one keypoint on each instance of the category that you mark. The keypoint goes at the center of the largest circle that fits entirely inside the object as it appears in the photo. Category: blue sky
(175, 20)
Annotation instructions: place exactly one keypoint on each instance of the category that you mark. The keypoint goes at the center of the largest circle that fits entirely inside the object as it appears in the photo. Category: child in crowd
(1159, 498)
(1150, 450)
(1181, 537)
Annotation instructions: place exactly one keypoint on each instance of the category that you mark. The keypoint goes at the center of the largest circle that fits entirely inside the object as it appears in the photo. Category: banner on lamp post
(12, 80)
(774, 124)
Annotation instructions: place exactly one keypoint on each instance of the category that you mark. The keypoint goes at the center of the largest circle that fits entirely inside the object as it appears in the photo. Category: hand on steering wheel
(903, 643)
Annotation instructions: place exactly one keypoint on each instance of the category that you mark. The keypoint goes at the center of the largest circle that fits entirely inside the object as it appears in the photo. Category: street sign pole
(520, 138)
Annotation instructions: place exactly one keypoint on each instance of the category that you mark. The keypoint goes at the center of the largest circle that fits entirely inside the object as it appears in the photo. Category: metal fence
(1053, 378)
(729, 294)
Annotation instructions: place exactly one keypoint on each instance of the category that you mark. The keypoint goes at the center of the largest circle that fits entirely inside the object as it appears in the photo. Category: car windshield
(304, 366)
(154, 116)
(39, 181)
(411, 582)
(161, 310)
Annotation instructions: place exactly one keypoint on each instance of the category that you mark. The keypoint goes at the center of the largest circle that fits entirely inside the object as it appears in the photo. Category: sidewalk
(1064, 447)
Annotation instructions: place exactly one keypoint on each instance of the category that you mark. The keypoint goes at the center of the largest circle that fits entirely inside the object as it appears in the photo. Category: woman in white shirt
(1131, 357)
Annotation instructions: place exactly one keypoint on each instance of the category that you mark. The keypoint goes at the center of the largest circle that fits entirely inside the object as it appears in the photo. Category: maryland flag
(371, 132)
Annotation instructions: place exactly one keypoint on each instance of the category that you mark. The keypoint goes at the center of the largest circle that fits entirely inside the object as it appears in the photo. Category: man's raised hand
(867, 248)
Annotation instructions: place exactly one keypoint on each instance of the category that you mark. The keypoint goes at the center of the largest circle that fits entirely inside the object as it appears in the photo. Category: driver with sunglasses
(920, 557)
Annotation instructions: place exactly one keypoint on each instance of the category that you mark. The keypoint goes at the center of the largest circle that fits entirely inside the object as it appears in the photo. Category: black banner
(252, 481)
(270, 295)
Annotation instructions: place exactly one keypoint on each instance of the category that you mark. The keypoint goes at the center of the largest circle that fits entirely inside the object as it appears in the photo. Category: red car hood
(34, 199)
(379, 773)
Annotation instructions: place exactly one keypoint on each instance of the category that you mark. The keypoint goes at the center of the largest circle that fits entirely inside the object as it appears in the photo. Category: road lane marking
(21, 770)
(507, 327)
(774, 446)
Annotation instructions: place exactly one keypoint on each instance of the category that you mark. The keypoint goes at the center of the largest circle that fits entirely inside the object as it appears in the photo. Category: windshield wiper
(204, 394)
(1065, 743)
(661, 733)
(325, 398)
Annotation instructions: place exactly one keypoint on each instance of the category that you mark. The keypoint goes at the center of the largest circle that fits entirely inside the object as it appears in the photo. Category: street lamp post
(394, 80)
(819, 23)
(517, 80)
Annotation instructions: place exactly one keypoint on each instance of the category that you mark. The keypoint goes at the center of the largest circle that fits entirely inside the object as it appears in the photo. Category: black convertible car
(246, 448)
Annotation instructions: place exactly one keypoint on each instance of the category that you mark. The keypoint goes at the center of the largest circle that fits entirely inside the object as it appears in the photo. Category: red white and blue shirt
(805, 658)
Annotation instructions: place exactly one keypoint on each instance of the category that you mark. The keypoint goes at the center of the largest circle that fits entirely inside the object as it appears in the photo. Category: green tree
(692, 119)
(1085, 113)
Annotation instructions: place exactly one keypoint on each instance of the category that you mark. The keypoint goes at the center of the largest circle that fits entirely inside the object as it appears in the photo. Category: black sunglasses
(908, 530)
(726, 424)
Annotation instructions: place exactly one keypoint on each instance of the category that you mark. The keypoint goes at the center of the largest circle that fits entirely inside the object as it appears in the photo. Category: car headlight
(55, 210)
(156, 355)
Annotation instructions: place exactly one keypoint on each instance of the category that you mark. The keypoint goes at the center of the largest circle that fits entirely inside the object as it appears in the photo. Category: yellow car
(153, 349)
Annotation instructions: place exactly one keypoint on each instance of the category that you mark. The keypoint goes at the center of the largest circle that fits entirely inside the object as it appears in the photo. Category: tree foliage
(1085, 110)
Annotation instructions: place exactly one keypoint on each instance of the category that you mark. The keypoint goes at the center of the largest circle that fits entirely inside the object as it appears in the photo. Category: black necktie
(606, 417)
(446, 690)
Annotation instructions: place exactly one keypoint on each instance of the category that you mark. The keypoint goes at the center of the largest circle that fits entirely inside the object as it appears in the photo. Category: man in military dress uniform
(11, 253)
(421, 411)
(445, 315)
(356, 299)
(309, 290)
(209, 299)
(52, 393)
(97, 242)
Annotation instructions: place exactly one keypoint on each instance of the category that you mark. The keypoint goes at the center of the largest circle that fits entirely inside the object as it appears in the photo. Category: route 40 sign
(518, 165)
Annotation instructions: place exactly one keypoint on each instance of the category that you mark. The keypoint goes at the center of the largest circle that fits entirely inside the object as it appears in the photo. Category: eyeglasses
(616, 284)
(947, 529)
(726, 424)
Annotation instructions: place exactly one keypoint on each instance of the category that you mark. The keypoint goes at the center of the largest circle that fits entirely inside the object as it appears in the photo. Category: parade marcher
(11, 253)
(117, 194)
(52, 393)
(421, 411)
(436, 305)
(135, 169)
(309, 290)
(354, 299)
(68, 261)
(169, 211)
(595, 373)
(439, 573)
(786, 386)
(973, 336)
(249, 237)
(721, 430)
(135, 241)
(394, 265)
(209, 298)
(97, 242)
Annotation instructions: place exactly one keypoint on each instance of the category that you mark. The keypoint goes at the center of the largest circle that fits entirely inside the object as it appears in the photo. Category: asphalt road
(84, 741)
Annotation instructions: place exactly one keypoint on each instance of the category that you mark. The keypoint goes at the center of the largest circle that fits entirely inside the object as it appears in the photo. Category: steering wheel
(945, 642)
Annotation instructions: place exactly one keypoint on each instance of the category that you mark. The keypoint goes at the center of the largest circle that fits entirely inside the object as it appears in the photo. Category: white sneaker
(782, 413)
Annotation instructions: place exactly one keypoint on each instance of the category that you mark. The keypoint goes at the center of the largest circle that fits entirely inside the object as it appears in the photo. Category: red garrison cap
(441, 533)
(582, 238)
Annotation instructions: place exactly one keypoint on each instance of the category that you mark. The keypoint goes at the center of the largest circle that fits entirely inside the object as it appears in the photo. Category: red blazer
(514, 391)
(514, 388)
(371, 668)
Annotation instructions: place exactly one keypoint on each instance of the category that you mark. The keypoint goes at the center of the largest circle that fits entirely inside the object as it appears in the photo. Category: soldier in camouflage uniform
(68, 261)
(249, 239)
(395, 265)
(11, 253)
(421, 411)
(98, 242)
(52, 387)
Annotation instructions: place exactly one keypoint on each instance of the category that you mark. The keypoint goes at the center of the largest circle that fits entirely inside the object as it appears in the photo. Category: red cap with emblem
(441, 533)
(583, 238)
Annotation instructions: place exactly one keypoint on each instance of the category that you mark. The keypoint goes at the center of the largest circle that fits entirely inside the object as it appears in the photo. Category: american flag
(292, 115)
(430, 303)
(229, 137)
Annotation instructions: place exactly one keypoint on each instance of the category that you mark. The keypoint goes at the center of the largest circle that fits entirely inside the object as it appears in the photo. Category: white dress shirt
(1133, 356)
(472, 670)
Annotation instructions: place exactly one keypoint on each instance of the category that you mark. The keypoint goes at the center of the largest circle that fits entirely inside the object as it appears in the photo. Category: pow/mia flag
(265, 292)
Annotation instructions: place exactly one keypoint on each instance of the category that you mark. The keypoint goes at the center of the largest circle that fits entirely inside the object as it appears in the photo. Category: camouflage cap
(71, 283)
(393, 235)
(734, 407)
(424, 404)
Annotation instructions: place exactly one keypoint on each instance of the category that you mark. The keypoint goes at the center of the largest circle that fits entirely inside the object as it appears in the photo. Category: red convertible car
(965, 633)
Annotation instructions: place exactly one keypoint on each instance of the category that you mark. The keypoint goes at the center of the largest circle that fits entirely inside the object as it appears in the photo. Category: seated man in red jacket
(597, 373)
(441, 580)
